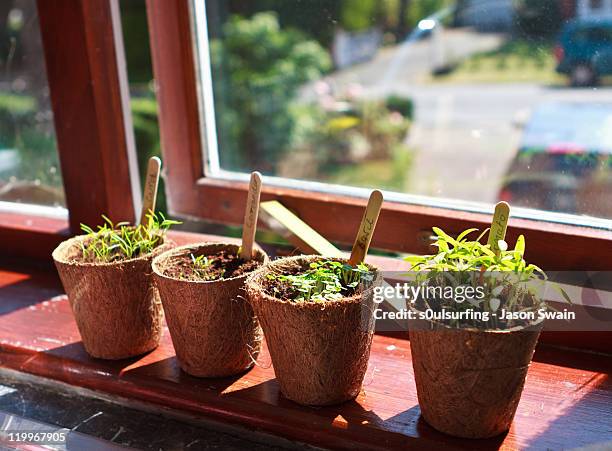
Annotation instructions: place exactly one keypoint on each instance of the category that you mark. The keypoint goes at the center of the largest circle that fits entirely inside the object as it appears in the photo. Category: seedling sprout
(114, 242)
(325, 280)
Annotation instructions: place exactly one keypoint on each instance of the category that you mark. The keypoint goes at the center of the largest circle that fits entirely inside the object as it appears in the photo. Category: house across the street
(489, 15)
(586, 9)
(593, 9)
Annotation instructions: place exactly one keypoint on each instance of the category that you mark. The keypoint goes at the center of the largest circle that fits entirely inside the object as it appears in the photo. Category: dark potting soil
(221, 265)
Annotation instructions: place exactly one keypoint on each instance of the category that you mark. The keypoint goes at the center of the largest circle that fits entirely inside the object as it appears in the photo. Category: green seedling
(202, 266)
(115, 242)
(324, 281)
(459, 254)
(506, 279)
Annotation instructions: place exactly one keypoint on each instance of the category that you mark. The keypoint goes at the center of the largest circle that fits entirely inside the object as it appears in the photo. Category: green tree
(402, 24)
(136, 42)
(315, 18)
(358, 15)
(257, 70)
(420, 9)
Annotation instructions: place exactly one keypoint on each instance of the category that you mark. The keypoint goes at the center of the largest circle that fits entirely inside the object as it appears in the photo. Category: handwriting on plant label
(366, 231)
(253, 201)
(251, 213)
(366, 228)
(150, 189)
(499, 225)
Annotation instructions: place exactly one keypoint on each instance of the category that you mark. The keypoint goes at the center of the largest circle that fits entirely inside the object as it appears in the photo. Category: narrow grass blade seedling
(115, 242)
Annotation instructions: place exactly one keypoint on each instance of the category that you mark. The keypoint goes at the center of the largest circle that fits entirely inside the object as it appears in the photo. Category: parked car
(584, 51)
(564, 162)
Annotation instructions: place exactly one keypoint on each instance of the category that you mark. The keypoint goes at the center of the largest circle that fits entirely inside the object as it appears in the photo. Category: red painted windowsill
(567, 401)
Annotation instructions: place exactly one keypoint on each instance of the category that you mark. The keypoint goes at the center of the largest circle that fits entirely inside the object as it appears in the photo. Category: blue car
(584, 51)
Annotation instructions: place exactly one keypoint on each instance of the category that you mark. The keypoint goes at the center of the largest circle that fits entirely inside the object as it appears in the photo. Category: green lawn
(392, 174)
(516, 61)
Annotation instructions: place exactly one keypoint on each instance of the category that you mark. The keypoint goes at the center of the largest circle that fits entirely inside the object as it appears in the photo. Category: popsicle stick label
(250, 216)
(149, 197)
(289, 226)
(366, 228)
(499, 225)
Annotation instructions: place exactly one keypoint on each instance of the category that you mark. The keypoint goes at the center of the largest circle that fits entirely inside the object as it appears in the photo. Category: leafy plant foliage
(263, 67)
(202, 266)
(115, 242)
(325, 280)
(459, 254)
(506, 280)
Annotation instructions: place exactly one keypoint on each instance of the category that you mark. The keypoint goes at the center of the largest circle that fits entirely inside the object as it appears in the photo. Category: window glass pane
(29, 167)
(471, 101)
(142, 88)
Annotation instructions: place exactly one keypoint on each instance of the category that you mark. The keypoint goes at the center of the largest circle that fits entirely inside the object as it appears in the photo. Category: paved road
(406, 63)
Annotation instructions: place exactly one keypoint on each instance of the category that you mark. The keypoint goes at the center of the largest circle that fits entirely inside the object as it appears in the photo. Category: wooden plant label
(499, 225)
(366, 228)
(284, 222)
(250, 216)
(150, 189)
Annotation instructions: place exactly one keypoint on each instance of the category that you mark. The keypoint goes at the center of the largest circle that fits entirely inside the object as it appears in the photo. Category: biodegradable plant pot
(469, 381)
(115, 305)
(319, 350)
(213, 328)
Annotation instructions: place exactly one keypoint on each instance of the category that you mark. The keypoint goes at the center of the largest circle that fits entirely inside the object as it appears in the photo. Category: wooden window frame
(402, 227)
(87, 79)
